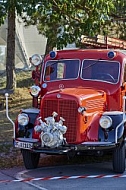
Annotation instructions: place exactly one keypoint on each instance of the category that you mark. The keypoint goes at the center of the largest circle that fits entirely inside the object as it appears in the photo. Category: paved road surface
(96, 176)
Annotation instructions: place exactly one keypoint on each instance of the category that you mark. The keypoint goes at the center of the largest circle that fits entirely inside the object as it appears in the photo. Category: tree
(8, 9)
(115, 26)
(119, 18)
(65, 22)
(62, 22)
(10, 60)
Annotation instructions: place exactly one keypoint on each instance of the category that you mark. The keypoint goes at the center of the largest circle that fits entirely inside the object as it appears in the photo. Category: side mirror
(36, 60)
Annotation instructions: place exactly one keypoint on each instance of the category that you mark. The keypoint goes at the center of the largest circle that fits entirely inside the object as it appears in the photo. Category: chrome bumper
(35, 146)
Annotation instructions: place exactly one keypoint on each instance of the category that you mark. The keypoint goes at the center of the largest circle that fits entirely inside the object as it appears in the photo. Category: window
(100, 70)
(61, 70)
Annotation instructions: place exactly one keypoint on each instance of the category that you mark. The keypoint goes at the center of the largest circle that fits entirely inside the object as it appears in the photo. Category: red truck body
(78, 106)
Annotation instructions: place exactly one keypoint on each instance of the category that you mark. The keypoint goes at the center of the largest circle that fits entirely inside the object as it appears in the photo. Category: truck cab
(78, 106)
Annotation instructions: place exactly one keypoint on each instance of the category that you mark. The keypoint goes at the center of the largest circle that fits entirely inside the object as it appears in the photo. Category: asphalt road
(95, 176)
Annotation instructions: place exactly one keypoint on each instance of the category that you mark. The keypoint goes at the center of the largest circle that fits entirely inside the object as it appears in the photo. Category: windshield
(100, 70)
(61, 69)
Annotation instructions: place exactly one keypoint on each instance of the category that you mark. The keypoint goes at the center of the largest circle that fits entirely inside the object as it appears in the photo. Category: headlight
(35, 90)
(23, 119)
(36, 59)
(105, 122)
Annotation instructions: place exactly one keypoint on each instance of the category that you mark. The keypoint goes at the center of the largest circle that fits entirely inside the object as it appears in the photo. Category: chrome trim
(30, 110)
(123, 121)
(31, 140)
(6, 95)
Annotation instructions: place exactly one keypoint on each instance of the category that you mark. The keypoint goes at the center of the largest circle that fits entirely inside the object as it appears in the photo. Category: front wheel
(119, 159)
(30, 159)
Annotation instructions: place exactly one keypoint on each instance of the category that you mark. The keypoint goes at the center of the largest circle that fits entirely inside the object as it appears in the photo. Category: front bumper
(35, 146)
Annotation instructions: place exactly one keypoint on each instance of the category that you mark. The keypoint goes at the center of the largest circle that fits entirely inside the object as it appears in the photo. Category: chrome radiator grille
(66, 109)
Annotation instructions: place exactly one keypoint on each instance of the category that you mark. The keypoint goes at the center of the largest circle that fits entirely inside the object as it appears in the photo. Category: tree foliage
(119, 18)
(64, 22)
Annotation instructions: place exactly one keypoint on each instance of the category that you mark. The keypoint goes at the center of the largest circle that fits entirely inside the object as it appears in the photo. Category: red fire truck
(78, 103)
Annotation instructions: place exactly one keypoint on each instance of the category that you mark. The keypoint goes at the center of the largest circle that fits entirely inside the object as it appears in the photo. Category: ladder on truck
(100, 41)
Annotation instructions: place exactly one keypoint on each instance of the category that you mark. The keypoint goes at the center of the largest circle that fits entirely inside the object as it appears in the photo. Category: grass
(9, 157)
(18, 100)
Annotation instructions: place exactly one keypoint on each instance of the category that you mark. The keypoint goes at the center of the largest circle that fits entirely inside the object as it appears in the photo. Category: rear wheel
(119, 159)
(30, 159)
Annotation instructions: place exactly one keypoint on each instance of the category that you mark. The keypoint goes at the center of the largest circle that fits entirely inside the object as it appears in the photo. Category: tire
(30, 159)
(119, 159)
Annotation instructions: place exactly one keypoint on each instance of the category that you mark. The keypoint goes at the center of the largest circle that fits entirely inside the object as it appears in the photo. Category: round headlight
(105, 122)
(35, 90)
(36, 59)
(23, 119)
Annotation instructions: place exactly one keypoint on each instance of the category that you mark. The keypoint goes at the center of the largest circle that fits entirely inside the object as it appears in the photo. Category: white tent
(28, 42)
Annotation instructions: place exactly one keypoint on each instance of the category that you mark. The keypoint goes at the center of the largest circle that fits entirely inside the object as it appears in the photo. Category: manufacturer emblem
(58, 96)
(61, 86)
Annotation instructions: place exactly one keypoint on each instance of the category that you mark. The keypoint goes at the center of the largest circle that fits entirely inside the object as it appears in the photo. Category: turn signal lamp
(53, 54)
(111, 54)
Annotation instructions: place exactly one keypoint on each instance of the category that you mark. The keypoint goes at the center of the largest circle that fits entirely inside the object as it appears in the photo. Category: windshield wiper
(91, 64)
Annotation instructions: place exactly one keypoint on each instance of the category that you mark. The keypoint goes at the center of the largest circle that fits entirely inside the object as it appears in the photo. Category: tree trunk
(48, 47)
(10, 60)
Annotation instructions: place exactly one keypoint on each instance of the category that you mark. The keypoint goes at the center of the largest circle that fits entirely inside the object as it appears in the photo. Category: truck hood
(87, 97)
(83, 93)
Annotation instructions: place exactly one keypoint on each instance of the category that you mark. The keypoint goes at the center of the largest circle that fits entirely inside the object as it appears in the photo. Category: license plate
(24, 145)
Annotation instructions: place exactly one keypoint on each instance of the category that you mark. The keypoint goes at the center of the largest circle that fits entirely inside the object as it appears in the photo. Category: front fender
(26, 131)
(110, 134)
